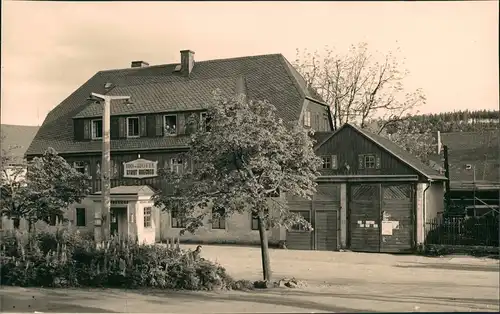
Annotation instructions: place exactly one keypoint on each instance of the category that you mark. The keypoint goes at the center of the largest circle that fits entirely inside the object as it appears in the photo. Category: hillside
(19, 136)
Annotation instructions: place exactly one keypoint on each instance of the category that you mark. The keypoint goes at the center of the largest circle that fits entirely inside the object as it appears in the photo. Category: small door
(326, 230)
(113, 222)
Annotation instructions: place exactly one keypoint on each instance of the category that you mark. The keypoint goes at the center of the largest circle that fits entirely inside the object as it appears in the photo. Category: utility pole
(474, 188)
(106, 160)
(447, 175)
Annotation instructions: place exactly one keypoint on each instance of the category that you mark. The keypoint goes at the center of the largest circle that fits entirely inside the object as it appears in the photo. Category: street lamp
(106, 154)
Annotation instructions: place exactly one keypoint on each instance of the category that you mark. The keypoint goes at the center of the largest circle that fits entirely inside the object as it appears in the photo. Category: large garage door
(397, 223)
(364, 218)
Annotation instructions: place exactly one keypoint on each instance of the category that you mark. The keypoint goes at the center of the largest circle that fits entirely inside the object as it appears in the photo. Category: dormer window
(170, 125)
(97, 129)
(132, 127)
(307, 118)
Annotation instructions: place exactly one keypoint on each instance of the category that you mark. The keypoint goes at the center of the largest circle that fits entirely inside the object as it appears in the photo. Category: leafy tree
(246, 156)
(40, 188)
(356, 86)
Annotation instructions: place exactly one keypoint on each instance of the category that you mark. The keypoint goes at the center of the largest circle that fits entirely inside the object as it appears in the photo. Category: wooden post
(106, 160)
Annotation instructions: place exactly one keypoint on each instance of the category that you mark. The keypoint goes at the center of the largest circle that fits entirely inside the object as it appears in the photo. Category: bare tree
(356, 86)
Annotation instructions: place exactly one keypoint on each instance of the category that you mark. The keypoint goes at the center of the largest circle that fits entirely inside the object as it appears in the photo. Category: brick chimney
(187, 62)
(139, 64)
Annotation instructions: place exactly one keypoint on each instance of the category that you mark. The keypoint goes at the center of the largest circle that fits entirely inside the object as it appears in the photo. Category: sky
(49, 49)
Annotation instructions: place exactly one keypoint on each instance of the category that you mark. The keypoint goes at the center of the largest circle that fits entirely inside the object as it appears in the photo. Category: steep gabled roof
(320, 137)
(160, 89)
(17, 137)
(393, 149)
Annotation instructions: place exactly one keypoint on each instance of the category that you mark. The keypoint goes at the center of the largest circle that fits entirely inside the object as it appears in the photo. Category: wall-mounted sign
(140, 168)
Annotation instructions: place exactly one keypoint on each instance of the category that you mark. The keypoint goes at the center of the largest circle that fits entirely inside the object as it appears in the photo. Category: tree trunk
(30, 225)
(264, 248)
(17, 222)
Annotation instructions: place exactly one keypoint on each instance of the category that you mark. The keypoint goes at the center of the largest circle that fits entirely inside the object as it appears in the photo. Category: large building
(370, 190)
(474, 167)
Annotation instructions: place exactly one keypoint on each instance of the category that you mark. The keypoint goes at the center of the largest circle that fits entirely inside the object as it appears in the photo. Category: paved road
(337, 282)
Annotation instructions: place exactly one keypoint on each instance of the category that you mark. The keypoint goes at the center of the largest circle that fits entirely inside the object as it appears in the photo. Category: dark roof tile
(267, 77)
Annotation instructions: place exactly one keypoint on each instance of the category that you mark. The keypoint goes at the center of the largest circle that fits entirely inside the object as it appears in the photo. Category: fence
(477, 231)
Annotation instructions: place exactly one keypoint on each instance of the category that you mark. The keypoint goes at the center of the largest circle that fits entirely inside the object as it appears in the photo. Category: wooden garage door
(299, 239)
(364, 218)
(397, 218)
(326, 229)
(326, 207)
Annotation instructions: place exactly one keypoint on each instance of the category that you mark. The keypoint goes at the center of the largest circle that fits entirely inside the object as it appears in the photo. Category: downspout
(424, 209)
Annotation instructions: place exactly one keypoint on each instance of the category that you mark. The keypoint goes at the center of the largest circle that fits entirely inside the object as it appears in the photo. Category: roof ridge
(202, 61)
(290, 75)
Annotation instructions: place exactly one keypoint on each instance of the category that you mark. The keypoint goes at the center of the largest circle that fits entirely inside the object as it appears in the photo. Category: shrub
(442, 250)
(65, 258)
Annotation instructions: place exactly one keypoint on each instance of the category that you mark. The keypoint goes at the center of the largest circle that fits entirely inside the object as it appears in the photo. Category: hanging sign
(140, 168)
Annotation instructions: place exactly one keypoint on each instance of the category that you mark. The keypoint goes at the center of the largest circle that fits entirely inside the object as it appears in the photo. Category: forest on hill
(456, 121)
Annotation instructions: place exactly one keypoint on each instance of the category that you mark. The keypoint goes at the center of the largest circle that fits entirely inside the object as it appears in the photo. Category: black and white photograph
(249, 157)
